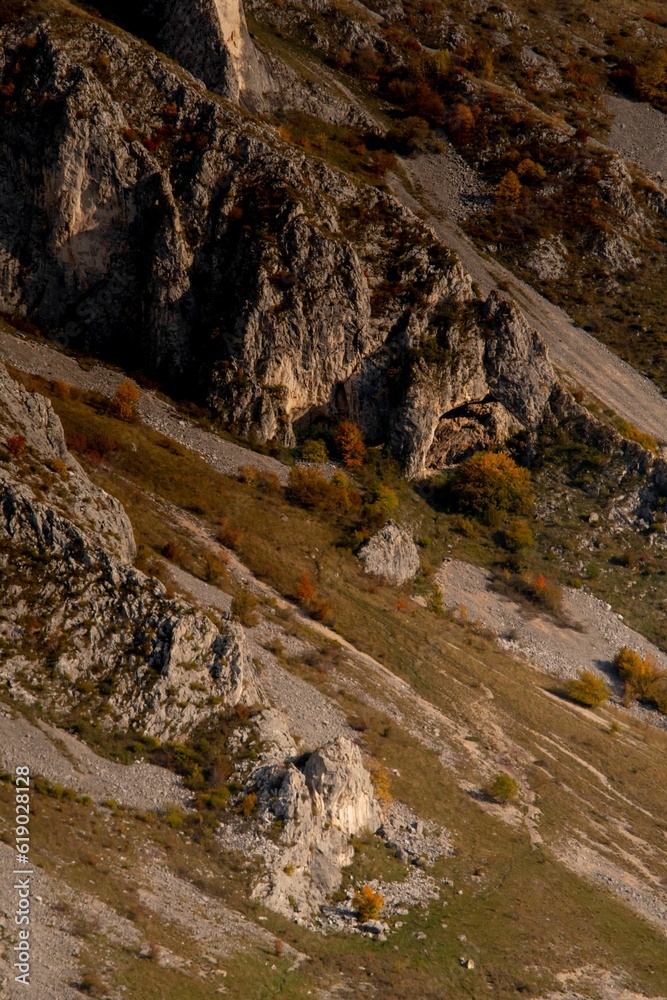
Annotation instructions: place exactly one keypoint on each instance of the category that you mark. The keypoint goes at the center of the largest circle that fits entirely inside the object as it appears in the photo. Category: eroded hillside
(334, 637)
(466, 881)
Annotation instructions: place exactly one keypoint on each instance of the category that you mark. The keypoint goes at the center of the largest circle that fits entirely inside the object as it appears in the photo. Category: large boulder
(319, 806)
(391, 554)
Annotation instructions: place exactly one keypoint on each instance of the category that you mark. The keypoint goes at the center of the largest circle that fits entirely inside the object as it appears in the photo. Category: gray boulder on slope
(391, 554)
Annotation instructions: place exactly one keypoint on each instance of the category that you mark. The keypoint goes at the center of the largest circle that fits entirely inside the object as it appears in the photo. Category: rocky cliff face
(81, 625)
(149, 221)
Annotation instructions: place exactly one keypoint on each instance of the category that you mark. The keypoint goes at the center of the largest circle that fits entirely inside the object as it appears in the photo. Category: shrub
(489, 482)
(650, 79)
(16, 445)
(509, 191)
(124, 401)
(409, 135)
(350, 444)
(367, 903)
(309, 488)
(643, 678)
(243, 607)
(227, 534)
(549, 595)
(173, 551)
(381, 784)
(315, 451)
(383, 163)
(215, 566)
(262, 479)
(59, 467)
(632, 433)
(503, 788)
(321, 610)
(530, 172)
(381, 502)
(460, 122)
(518, 536)
(434, 602)
(249, 804)
(587, 689)
(304, 590)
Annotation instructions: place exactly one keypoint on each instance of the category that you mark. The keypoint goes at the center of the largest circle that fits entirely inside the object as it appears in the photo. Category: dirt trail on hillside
(571, 349)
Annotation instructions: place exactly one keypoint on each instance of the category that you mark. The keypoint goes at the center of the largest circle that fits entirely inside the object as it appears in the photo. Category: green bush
(503, 788)
(434, 602)
(489, 482)
(587, 689)
(518, 536)
(315, 451)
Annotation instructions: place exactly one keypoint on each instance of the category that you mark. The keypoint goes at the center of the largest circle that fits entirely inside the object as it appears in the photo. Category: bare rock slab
(391, 554)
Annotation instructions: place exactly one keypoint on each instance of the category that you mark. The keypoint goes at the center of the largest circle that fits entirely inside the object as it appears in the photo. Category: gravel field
(639, 133)
(67, 761)
(592, 643)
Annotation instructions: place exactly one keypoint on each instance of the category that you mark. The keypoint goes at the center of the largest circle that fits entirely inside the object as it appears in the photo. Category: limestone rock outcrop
(391, 554)
(77, 614)
(319, 805)
(29, 418)
(210, 39)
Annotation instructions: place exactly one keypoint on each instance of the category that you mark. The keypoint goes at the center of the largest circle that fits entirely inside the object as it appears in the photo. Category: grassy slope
(454, 669)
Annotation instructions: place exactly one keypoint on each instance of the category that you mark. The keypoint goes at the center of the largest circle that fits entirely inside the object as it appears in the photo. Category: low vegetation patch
(367, 904)
(644, 680)
(587, 689)
(503, 789)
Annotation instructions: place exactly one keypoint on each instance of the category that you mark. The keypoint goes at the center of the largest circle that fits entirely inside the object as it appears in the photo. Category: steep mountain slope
(452, 712)
(297, 696)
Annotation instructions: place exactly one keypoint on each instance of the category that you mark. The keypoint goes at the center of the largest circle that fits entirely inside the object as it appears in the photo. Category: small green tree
(587, 689)
(503, 788)
(434, 601)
